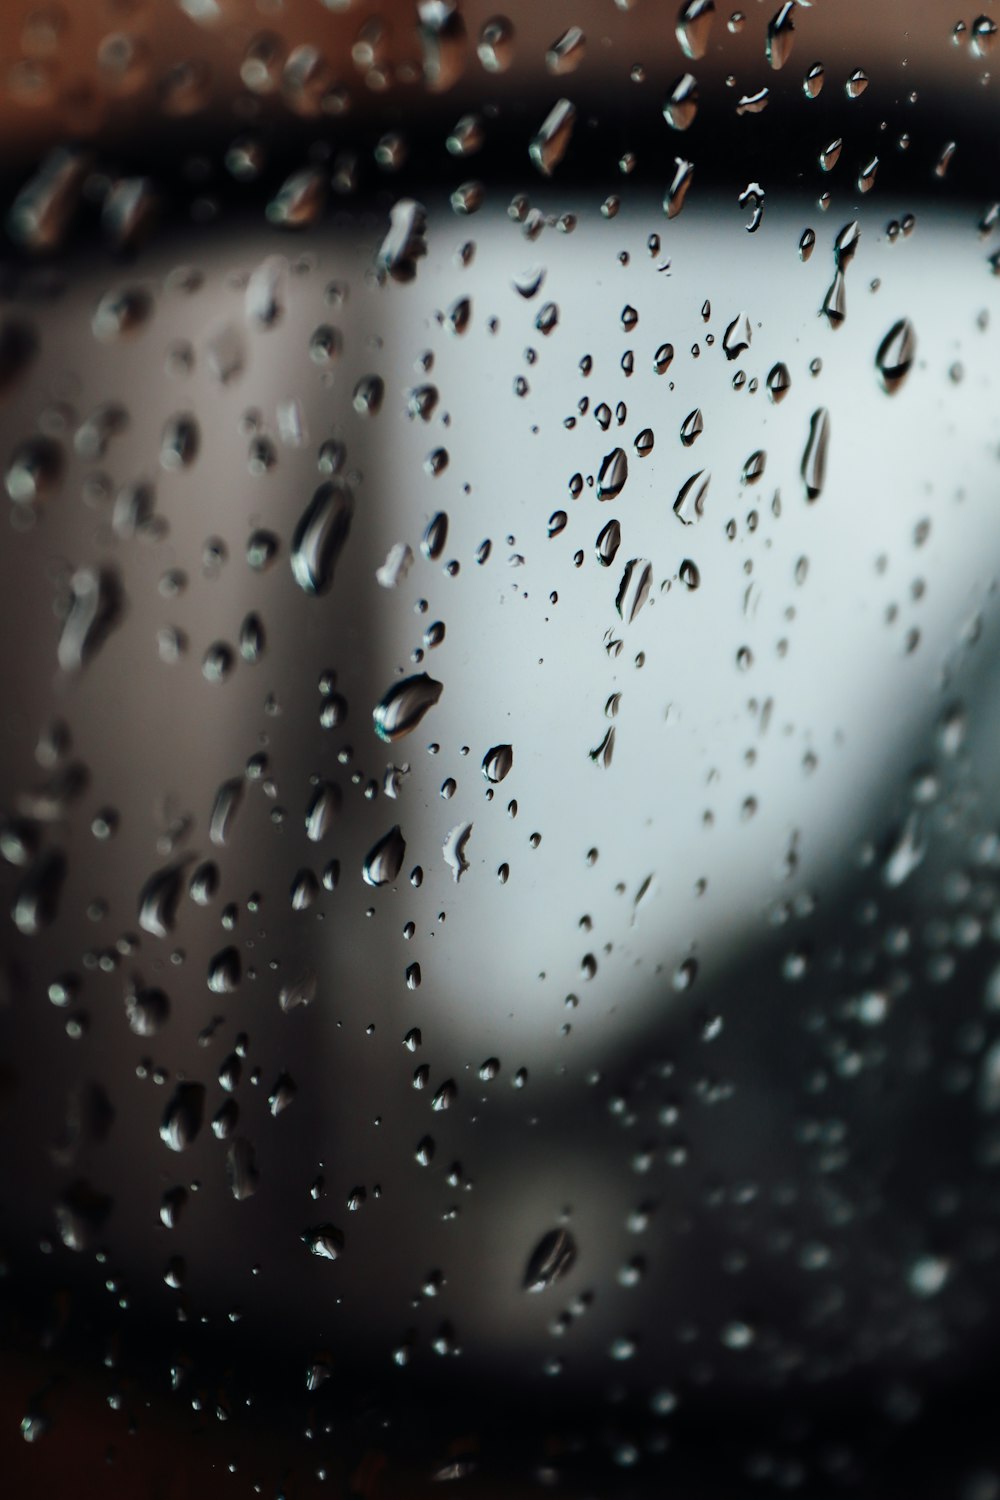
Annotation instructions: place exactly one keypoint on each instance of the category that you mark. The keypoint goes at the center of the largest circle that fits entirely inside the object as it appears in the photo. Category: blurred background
(500, 819)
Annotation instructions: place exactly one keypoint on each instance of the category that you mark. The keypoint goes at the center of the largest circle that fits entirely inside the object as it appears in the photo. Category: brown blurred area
(115, 73)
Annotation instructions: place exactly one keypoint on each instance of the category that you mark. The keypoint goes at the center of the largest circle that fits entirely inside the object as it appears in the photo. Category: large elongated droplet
(182, 1116)
(780, 35)
(694, 26)
(160, 898)
(401, 708)
(551, 1258)
(633, 591)
(690, 503)
(682, 102)
(95, 609)
(320, 536)
(613, 474)
(385, 859)
(673, 200)
(405, 242)
(896, 354)
(814, 458)
(552, 141)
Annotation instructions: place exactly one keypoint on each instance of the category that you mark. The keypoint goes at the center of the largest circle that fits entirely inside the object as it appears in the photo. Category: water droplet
(282, 1094)
(241, 1170)
(454, 848)
(300, 200)
(807, 243)
(204, 883)
(368, 395)
(399, 560)
(468, 198)
(403, 706)
(778, 382)
(780, 35)
(320, 536)
(36, 900)
(690, 503)
(856, 84)
(323, 806)
(866, 177)
(613, 474)
(830, 155)
(528, 283)
(835, 301)
(225, 806)
(633, 591)
(96, 607)
(812, 83)
(983, 35)
(692, 427)
(435, 537)
(604, 752)
(497, 763)
(225, 971)
(814, 457)
(385, 858)
(495, 48)
(81, 1212)
(676, 193)
(405, 242)
(689, 574)
(183, 1116)
(44, 208)
(608, 542)
(443, 1098)
(736, 339)
(566, 52)
(266, 293)
(325, 1241)
(160, 898)
(753, 104)
(896, 354)
(694, 26)
(682, 102)
(754, 467)
(466, 137)
(552, 141)
(34, 470)
(552, 1258)
(459, 316)
(663, 358)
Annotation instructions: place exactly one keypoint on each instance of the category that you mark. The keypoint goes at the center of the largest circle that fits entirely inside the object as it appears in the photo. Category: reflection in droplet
(676, 193)
(780, 35)
(552, 141)
(96, 607)
(403, 706)
(385, 858)
(896, 354)
(613, 474)
(690, 503)
(694, 26)
(633, 591)
(320, 536)
(552, 1258)
(160, 898)
(681, 104)
(497, 763)
(814, 457)
(183, 1116)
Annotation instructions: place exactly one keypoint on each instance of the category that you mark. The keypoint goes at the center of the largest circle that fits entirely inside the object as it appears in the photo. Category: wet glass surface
(499, 825)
